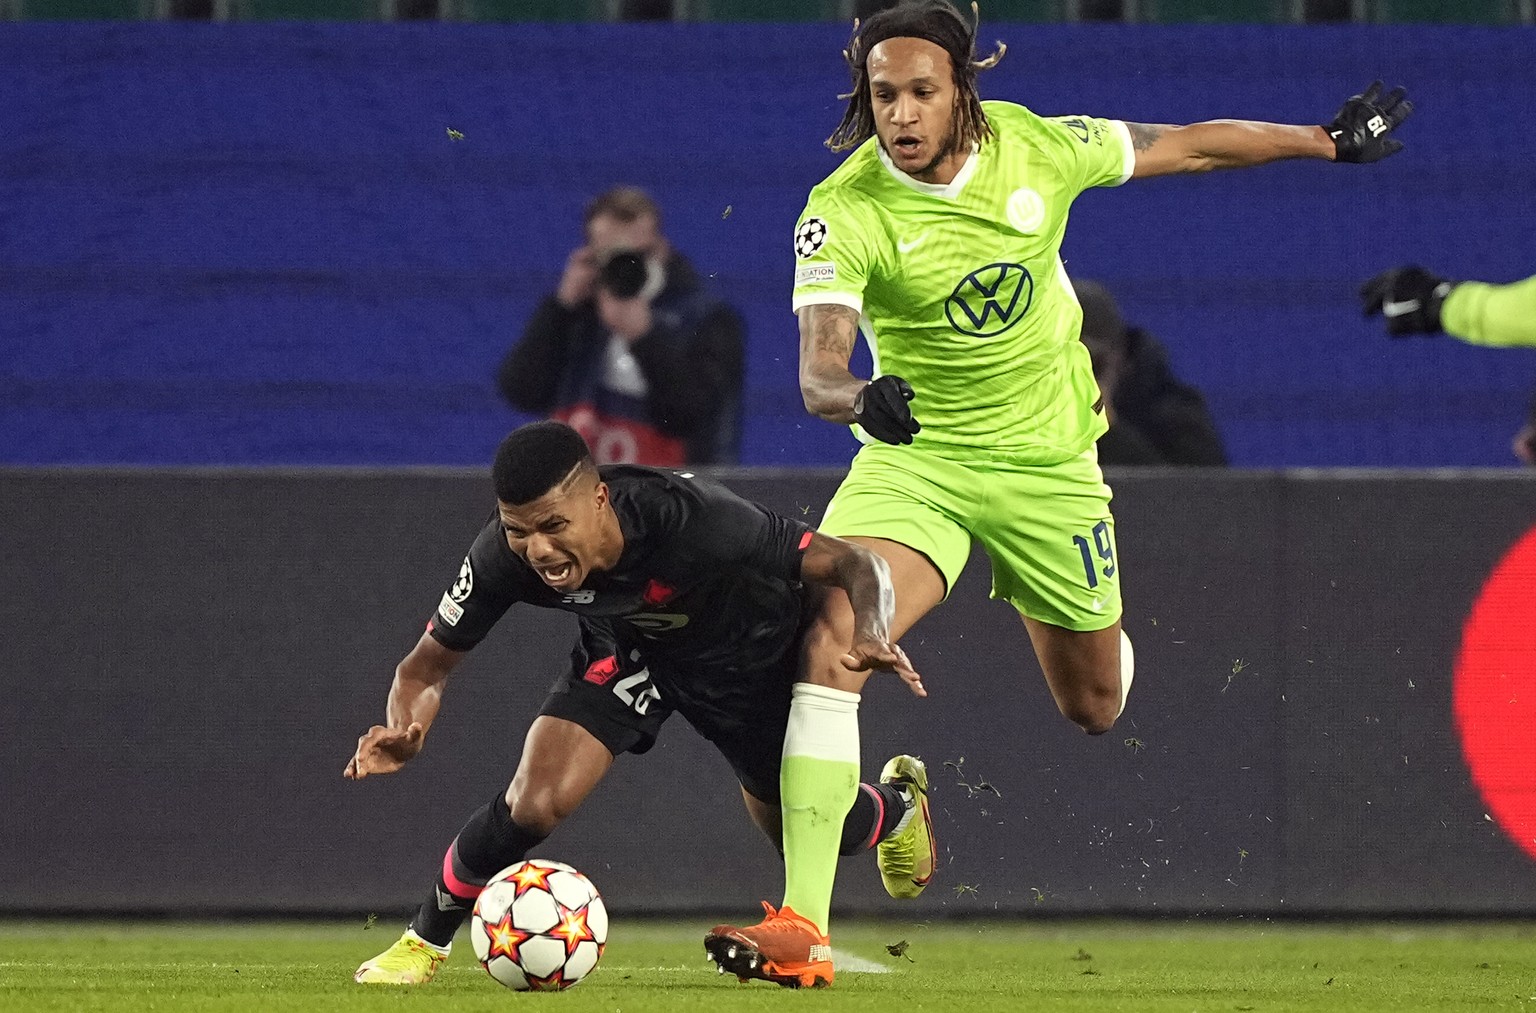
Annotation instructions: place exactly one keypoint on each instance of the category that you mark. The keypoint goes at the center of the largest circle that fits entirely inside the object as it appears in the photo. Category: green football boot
(909, 856)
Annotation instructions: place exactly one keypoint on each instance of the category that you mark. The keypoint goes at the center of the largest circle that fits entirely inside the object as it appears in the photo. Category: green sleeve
(834, 253)
(1090, 151)
(1497, 316)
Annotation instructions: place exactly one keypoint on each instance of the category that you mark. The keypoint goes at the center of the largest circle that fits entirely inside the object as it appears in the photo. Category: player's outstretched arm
(414, 698)
(1361, 132)
(827, 335)
(866, 579)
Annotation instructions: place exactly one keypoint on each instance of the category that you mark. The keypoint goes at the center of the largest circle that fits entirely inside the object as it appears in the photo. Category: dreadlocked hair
(939, 23)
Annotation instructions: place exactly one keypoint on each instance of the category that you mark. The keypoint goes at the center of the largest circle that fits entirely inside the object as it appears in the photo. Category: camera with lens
(624, 274)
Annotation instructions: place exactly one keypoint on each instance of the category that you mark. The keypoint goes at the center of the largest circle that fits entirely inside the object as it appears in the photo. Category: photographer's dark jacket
(1158, 419)
(690, 367)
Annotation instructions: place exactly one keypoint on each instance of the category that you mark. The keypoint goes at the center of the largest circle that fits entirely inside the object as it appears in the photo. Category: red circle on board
(1495, 696)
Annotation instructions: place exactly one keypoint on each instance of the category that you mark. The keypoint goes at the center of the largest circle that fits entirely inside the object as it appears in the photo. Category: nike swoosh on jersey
(1398, 309)
(906, 246)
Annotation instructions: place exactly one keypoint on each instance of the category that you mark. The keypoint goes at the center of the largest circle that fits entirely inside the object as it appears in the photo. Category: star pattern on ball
(573, 929)
(505, 938)
(550, 983)
(530, 877)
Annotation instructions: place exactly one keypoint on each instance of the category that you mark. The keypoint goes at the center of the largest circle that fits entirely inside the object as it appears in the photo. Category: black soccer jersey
(705, 579)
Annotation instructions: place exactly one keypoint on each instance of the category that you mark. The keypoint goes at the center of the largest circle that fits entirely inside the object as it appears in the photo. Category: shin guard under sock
(489, 842)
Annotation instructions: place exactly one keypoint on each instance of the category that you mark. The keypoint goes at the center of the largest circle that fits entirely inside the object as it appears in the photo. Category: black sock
(489, 842)
(875, 813)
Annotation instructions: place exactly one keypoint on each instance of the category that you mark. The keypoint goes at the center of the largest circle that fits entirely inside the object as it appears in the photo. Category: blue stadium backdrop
(258, 244)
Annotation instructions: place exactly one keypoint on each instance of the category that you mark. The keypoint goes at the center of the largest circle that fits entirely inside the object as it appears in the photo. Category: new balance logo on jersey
(579, 597)
(990, 300)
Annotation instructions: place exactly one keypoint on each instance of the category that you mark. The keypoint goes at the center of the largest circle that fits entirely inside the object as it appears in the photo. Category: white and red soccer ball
(539, 926)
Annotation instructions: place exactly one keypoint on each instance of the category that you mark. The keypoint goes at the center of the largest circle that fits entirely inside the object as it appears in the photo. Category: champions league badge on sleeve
(810, 237)
(465, 584)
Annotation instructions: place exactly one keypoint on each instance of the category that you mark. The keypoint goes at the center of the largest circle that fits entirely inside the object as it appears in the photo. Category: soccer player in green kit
(938, 239)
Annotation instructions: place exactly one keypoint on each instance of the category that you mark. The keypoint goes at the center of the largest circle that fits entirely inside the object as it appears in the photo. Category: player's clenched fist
(1360, 129)
(383, 750)
(1409, 297)
(881, 409)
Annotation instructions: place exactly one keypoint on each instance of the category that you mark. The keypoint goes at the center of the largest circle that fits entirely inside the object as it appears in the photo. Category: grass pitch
(970, 966)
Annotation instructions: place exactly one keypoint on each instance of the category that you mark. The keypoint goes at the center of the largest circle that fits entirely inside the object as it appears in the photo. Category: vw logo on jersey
(465, 584)
(990, 300)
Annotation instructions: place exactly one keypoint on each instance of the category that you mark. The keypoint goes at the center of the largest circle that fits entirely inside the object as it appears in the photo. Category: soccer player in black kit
(689, 599)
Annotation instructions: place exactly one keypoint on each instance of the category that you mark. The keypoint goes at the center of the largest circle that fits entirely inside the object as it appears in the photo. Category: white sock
(1127, 670)
(411, 934)
(823, 723)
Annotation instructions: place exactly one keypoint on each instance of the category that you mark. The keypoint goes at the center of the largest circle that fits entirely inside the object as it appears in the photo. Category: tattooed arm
(1163, 150)
(827, 335)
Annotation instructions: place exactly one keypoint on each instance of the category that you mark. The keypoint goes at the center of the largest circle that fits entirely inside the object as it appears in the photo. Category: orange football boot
(783, 948)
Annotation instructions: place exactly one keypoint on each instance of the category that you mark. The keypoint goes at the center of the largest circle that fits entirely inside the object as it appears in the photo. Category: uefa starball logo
(990, 300)
(465, 584)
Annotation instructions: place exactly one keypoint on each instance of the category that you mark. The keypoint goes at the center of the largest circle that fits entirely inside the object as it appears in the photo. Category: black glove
(1360, 130)
(1409, 297)
(882, 409)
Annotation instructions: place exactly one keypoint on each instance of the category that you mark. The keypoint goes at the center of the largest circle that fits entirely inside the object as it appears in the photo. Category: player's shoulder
(668, 495)
(1013, 123)
(1009, 114)
(852, 183)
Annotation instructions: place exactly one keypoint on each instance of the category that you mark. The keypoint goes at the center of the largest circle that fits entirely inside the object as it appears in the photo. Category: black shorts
(621, 693)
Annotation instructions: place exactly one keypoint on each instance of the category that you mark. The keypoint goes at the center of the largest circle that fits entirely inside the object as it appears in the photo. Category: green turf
(973, 966)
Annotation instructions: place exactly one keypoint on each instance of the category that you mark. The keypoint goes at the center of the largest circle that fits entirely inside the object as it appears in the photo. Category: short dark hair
(535, 458)
(626, 203)
(939, 23)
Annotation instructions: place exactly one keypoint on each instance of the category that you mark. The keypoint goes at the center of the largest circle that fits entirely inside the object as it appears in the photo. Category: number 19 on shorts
(1098, 554)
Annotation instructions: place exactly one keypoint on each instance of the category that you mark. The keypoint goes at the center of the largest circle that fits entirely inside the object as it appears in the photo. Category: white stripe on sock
(823, 724)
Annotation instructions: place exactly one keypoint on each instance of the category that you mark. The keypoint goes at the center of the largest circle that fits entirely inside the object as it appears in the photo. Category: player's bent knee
(1093, 713)
(539, 811)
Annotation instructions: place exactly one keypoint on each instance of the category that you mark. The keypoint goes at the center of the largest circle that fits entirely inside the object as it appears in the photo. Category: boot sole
(746, 962)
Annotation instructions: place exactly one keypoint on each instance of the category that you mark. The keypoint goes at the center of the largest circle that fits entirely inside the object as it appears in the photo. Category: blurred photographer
(1154, 417)
(630, 350)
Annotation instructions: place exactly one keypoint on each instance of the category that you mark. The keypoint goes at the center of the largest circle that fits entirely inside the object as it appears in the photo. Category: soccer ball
(539, 926)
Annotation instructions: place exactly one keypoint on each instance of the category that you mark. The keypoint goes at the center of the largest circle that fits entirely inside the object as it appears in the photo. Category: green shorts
(1046, 528)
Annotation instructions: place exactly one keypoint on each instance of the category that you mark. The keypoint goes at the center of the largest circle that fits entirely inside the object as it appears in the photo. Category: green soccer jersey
(961, 287)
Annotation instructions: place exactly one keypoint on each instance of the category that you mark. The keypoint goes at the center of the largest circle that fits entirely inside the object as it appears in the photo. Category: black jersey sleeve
(487, 585)
(737, 531)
